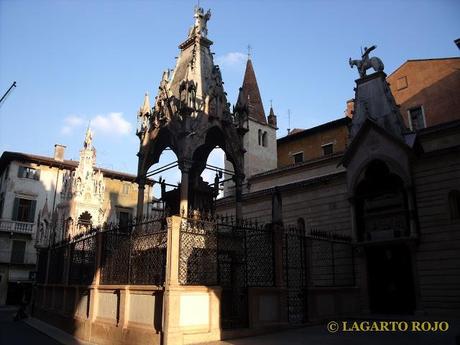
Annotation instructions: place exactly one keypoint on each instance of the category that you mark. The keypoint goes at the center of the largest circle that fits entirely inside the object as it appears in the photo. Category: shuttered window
(26, 172)
(24, 210)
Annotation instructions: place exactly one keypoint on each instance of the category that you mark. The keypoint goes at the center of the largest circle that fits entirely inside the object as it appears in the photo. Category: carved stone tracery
(191, 114)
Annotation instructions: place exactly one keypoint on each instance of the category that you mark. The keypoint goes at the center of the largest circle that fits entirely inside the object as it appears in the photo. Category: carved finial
(88, 137)
(201, 20)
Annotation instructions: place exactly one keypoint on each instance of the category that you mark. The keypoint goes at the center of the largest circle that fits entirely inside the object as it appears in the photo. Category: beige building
(46, 199)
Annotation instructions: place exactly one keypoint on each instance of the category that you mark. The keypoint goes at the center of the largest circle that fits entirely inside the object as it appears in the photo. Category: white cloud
(70, 123)
(232, 59)
(113, 123)
(74, 120)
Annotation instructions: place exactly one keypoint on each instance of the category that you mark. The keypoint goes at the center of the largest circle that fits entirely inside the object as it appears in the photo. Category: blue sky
(76, 61)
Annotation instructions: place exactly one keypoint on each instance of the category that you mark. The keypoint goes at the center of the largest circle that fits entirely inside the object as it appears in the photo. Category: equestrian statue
(365, 63)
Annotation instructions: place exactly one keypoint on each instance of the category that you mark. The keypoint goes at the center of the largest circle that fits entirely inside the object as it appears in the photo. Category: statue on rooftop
(365, 63)
(201, 20)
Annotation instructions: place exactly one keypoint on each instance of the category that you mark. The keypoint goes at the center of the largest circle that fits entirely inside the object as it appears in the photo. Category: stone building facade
(42, 200)
(366, 222)
(393, 187)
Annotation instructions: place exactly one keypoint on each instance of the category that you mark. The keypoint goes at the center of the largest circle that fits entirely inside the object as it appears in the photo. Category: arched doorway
(383, 229)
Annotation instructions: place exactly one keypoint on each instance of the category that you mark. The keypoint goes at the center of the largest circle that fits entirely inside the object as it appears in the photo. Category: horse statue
(365, 63)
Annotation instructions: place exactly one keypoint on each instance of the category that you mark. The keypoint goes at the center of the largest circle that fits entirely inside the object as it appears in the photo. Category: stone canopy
(191, 114)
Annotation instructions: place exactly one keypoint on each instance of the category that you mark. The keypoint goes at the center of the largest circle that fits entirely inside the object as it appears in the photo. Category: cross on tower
(249, 51)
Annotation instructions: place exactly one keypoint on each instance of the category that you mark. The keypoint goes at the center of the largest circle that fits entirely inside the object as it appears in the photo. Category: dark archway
(382, 226)
(381, 204)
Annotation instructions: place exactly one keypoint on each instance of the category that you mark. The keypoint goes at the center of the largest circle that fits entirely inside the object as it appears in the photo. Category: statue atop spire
(88, 138)
(201, 19)
(365, 63)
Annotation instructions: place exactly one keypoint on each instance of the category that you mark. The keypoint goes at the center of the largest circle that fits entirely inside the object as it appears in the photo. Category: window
(401, 83)
(123, 218)
(454, 204)
(264, 139)
(18, 251)
(26, 172)
(125, 190)
(24, 210)
(416, 119)
(260, 136)
(298, 157)
(328, 149)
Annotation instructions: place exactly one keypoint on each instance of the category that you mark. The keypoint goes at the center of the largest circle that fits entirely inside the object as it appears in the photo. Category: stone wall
(438, 260)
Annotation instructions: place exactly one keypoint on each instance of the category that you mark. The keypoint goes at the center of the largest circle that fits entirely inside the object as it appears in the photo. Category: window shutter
(15, 209)
(32, 210)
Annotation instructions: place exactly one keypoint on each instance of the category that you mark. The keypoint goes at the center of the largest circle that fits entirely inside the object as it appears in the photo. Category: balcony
(15, 226)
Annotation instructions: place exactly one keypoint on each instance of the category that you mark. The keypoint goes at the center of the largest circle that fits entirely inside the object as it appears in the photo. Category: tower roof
(250, 95)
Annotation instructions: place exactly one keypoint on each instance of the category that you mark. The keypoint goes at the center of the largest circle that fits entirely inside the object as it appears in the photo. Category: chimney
(59, 152)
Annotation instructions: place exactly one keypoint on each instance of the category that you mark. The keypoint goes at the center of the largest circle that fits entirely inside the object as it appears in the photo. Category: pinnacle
(250, 93)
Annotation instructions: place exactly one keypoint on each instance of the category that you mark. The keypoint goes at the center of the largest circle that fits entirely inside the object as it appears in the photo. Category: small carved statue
(201, 20)
(365, 63)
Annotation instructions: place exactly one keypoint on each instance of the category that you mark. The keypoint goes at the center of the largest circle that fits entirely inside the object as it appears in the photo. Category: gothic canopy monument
(191, 116)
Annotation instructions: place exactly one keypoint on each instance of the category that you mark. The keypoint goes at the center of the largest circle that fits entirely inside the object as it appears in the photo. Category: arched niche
(381, 204)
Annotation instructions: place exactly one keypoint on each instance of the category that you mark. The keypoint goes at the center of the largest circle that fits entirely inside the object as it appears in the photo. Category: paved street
(318, 335)
(18, 332)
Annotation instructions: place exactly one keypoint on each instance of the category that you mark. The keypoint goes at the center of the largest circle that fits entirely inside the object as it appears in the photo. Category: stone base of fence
(267, 307)
(192, 314)
(106, 314)
(326, 302)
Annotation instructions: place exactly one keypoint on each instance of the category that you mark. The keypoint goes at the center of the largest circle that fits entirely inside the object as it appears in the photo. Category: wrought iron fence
(131, 254)
(331, 260)
(232, 254)
(295, 272)
(82, 260)
(317, 259)
(41, 266)
(198, 252)
(57, 263)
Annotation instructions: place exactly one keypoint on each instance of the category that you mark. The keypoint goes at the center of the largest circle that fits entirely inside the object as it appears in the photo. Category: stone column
(184, 166)
(278, 234)
(171, 298)
(354, 224)
(140, 198)
(94, 293)
(238, 179)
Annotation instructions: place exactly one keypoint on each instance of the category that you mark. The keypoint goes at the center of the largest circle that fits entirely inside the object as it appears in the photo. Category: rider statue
(365, 63)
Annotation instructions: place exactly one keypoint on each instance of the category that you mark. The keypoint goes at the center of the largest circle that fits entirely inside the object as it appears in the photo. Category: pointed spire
(272, 117)
(249, 93)
(145, 109)
(45, 212)
(88, 137)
